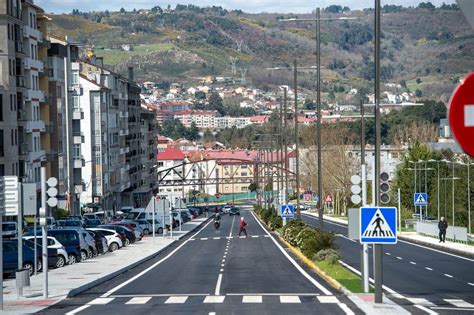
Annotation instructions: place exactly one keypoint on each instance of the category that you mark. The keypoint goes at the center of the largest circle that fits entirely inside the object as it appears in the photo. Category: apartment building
(24, 116)
(202, 118)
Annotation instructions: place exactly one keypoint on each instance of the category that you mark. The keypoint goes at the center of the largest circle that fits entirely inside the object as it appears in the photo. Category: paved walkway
(454, 247)
(71, 280)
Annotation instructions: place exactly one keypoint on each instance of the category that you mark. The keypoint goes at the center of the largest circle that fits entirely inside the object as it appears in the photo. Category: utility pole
(365, 247)
(378, 257)
(295, 69)
(318, 122)
(285, 140)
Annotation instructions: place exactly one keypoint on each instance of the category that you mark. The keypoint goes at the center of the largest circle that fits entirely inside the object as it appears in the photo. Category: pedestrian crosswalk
(434, 304)
(216, 299)
(228, 237)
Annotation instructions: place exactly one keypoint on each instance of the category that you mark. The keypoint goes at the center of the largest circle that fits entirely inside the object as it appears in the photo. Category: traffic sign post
(287, 211)
(378, 225)
(461, 114)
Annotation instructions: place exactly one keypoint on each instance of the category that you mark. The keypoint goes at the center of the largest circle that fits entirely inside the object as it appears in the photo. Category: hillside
(425, 50)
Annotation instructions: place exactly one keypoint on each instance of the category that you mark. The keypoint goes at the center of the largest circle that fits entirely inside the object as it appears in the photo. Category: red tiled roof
(259, 118)
(170, 154)
(196, 112)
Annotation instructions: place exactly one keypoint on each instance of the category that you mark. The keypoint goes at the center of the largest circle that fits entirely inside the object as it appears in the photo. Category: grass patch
(116, 56)
(348, 279)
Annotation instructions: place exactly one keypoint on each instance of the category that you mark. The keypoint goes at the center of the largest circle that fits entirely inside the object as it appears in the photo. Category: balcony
(37, 156)
(20, 81)
(30, 32)
(78, 114)
(33, 64)
(34, 95)
(35, 126)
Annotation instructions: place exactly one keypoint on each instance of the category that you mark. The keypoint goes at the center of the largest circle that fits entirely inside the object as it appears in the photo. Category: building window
(2, 151)
(1, 107)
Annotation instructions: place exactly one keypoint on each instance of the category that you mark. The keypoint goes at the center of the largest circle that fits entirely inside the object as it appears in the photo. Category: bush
(330, 255)
(291, 230)
(276, 223)
(61, 213)
(306, 240)
(266, 215)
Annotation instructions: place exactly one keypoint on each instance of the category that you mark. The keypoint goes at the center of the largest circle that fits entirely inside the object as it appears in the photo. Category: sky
(250, 6)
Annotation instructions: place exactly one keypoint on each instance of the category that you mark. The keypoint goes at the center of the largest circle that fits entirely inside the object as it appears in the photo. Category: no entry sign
(461, 114)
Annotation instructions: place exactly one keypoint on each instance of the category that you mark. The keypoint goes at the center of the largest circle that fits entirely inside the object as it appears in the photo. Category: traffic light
(356, 190)
(384, 188)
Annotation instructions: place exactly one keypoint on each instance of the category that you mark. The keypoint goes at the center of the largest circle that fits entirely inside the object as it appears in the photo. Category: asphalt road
(215, 272)
(421, 279)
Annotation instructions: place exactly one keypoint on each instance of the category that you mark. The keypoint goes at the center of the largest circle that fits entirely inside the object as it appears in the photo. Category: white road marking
(139, 300)
(446, 275)
(343, 236)
(212, 313)
(217, 238)
(412, 262)
(266, 236)
(242, 236)
(327, 299)
(459, 303)
(399, 258)
(428, 268)
(222, 265)
(346, 309)
(100, 301)
(204, 238)
(176, 300)
(231, 227)
(425, 309)
(218, 284)
(301, 270)
(274, 294)
(214, 299)
(252, 299)
(388, 254)
(471, 284)
(420, 301)
(290, 299)
(79, 309)
(108, 293)
(221, 270)
(223, 260)
(452, 308)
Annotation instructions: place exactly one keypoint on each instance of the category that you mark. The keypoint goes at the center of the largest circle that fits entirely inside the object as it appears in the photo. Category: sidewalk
(450, 247)
(72, 280)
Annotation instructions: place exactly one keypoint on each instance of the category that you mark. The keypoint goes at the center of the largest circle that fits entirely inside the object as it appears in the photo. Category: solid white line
(139, 300)
(452, 308)
(346, 309)
(108, 293)
(449, 276)
(301, 270)
(459, 303)
(218, 284)
(427, 310)
(428, 268)
(157, 295)
(79, 309)
(231, 227)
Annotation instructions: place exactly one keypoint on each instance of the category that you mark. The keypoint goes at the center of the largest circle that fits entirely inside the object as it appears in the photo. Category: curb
(437, 247)
(105, 278)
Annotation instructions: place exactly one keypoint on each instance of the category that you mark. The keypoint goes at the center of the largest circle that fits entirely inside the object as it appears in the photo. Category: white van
(142, 214)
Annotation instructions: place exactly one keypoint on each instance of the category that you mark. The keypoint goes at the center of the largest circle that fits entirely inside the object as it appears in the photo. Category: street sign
(420, 199)
(287, 211)
(461, 114)
(378, 225)
(9, 196)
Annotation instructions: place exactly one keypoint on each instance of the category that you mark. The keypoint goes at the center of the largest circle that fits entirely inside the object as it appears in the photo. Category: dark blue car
(70, 239)
(10, 257)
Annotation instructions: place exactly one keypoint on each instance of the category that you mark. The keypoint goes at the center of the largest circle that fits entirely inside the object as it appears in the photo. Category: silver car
(92, 251)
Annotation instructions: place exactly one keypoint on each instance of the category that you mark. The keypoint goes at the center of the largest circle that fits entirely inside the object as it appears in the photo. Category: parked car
(10, 257)
(92, 223)
(76, 246)
(234, 211)
(92, 248)
(126, 209)
(132, 225)
(62, 259)
(185, 214)
(100, 241)
(73, 224)
(177, 218)
(158, 226)
(114, 240)
(74, 218)
(90, 216)
(9, 229)
(226, 208)
(146, 227)
(130, 237)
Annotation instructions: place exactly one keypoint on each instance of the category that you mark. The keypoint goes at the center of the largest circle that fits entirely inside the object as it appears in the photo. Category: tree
(215, 103)
(200, 95)
(122, 10)
(253, 187)
(309, 104)
(426, 5)
(418, 93)
(193, 132)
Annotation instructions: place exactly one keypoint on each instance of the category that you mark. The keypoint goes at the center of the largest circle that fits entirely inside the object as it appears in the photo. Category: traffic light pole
(377, 247)
(44, 234)
(365, 247)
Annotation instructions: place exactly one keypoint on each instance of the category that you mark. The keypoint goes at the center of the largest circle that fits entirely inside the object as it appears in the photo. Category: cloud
(251, 6)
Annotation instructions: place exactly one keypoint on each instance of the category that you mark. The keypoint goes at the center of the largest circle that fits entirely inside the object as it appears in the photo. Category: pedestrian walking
(243, 224)
(442, 226)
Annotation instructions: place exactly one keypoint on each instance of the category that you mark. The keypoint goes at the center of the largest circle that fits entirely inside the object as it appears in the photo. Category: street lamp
(318, 20)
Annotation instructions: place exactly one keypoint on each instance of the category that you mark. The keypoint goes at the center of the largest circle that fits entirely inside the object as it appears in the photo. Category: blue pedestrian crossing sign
(378, 225)
(287, 211)
(420, 199)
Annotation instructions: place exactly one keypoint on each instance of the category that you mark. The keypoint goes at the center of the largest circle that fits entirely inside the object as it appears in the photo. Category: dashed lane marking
(101, 301)
(176, 300)
(446, 275)
(139, 300)
(214, 299)
(399, 258)
(421, 301)
(428, 268)
(328, 299)
(412, 262)
(471, 284)
(287, 299)
(252, 299)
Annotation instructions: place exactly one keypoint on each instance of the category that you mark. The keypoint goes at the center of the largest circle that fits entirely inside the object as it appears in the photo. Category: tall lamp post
(318, 20)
